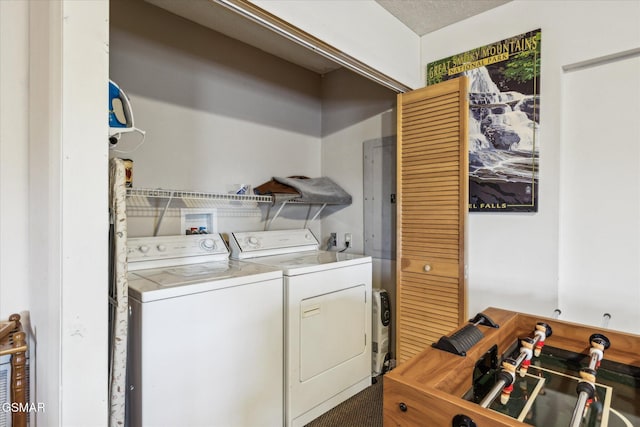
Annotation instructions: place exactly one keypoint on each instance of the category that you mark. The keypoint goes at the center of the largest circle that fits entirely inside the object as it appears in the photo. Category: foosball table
(512, 369)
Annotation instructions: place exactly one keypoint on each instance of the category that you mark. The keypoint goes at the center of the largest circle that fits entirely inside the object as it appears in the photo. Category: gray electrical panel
(380, 197)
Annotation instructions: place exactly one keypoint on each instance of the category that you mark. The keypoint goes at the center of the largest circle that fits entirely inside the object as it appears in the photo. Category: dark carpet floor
(362, 410)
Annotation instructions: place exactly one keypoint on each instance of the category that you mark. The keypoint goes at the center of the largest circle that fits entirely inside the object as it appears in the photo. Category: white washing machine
(327, 318)
(206, 336)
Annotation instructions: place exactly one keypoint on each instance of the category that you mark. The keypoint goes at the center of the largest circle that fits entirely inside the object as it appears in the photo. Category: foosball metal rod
(586, 387)
(576, 418)
(493, 393)
(502, 383)
(583, 397)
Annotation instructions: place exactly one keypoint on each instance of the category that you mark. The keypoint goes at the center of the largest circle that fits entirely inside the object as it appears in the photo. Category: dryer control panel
(253, 244)
(148, 252)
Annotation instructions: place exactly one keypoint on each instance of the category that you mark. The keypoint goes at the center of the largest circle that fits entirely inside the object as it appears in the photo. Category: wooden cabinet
(433, 164)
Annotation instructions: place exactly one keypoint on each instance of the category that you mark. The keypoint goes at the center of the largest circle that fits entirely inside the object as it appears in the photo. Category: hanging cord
(117, 139)
(346, 246)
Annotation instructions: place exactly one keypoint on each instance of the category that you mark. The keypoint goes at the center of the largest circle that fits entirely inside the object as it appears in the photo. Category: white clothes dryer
(327, 318)
(206, 335)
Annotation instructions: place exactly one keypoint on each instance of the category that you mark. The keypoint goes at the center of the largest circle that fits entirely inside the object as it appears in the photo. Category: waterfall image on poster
(504, 105)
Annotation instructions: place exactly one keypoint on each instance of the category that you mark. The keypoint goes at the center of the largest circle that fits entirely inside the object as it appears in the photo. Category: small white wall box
(199, 220)
(381, 312)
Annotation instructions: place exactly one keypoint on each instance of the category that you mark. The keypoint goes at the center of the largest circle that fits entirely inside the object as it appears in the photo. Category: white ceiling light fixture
(273, 23)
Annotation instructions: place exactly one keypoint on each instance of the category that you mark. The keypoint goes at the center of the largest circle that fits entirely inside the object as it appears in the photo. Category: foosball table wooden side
(427, 390)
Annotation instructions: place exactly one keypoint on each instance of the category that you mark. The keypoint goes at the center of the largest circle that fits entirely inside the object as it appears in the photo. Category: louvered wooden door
(432, 210)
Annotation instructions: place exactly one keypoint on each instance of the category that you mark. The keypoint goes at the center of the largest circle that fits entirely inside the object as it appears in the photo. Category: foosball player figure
(541, 332)
(526, 347)
(597, 346)
(587, 384)
(508, 374)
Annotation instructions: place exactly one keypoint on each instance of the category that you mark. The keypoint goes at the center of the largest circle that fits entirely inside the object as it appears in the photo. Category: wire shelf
(191, 198)
(174, 199)
(222, 212)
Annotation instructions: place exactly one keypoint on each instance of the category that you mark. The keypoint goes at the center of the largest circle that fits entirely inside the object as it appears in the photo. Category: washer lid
(183, 274)
(168, 282)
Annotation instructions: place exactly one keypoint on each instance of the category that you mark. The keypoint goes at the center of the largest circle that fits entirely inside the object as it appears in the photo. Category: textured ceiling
(425, 16)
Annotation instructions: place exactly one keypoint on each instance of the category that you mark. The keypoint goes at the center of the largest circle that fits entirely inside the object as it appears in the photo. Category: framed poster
(504, 105)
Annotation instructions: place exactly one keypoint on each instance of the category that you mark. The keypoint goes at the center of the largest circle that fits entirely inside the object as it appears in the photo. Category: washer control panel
(190, 249)
(252, 244)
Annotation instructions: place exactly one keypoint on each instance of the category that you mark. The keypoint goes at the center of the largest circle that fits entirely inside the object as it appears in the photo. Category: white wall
(14, 157)
(354, 110)
(362, 29)
(68, 165)
(514, 259)
(600, 188)
(43, 165)
(84, 218)
(53, 174)
(216, 111)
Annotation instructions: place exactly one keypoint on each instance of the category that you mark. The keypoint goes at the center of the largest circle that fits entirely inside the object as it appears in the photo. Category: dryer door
(332, 330)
